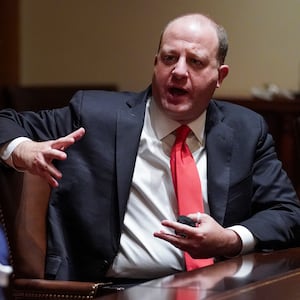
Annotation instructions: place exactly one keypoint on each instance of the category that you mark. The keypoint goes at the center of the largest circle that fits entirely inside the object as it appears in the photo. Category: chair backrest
(24, 202)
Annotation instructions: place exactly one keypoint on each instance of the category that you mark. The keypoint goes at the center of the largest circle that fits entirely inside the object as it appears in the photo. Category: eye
(169, 59)
(196, 62)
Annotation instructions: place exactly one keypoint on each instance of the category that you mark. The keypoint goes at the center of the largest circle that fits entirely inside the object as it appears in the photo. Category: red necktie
(187, 186)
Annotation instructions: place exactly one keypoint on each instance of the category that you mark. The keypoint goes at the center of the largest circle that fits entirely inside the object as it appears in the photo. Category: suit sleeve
(42, 125)
(275, 217)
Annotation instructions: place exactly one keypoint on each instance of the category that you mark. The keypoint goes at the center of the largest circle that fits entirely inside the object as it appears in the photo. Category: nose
(180, 69)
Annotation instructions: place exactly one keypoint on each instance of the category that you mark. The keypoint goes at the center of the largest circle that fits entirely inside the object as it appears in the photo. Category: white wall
(114, 41)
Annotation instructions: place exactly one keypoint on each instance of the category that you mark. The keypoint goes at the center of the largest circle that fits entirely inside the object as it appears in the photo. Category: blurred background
(91, 42)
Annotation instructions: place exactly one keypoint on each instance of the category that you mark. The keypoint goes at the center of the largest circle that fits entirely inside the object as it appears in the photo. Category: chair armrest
(54, 289)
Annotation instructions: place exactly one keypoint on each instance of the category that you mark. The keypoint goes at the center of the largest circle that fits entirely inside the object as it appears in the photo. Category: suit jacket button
(104, 265)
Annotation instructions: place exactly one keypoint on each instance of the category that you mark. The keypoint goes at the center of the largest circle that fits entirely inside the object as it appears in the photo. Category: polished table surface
(272, 275)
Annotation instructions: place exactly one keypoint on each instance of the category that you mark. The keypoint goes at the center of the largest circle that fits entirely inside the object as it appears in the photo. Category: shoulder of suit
(228, 107)
(105, 94)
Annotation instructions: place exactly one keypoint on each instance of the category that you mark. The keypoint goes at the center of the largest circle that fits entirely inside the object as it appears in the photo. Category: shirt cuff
(247, 238)
(8, 148)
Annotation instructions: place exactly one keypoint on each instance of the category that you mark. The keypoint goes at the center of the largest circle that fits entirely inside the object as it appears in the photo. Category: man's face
(186, 70)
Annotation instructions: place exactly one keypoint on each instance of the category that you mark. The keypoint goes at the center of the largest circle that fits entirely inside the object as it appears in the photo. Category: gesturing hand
(207, 239)
(37, 157)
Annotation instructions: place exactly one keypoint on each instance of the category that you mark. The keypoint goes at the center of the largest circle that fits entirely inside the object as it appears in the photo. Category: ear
(223, 72)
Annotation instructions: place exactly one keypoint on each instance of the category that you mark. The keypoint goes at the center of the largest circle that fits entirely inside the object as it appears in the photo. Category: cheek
(158, 84)
(161, 71)
(161, 81)
(206, 80)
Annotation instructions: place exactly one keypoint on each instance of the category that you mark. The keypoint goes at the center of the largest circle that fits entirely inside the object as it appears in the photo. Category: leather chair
(23, 209)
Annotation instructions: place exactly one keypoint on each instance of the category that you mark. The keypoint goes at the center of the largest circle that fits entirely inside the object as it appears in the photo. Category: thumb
(196, 217)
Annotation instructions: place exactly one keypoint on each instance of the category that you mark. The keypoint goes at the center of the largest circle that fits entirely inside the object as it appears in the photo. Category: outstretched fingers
(65, 142)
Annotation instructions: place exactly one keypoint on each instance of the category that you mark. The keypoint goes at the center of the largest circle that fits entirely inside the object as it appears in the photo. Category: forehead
(192, 34)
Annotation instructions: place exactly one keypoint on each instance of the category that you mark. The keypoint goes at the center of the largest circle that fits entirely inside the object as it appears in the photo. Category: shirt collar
(163, 126)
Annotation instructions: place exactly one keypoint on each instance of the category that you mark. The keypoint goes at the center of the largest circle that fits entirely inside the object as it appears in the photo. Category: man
(107, 157)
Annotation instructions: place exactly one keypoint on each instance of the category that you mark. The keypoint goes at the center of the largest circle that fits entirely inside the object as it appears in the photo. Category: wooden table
(274, 275)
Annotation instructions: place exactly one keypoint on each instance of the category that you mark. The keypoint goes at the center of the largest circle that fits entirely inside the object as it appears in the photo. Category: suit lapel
(219, 143)
(129, 127)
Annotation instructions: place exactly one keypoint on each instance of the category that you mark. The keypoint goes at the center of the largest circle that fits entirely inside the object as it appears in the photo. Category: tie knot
(182, 132)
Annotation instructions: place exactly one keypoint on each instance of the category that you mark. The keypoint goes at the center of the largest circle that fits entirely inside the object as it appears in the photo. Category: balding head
(202, 20)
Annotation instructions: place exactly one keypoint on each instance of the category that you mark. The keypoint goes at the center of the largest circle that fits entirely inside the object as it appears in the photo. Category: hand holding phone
(187, 221)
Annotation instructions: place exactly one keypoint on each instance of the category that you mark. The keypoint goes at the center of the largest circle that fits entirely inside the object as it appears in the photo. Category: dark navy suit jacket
(246, 184)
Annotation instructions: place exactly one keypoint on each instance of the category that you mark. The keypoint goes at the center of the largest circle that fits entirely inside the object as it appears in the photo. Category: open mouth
(177, 91)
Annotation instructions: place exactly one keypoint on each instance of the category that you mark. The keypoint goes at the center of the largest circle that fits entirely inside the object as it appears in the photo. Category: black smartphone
(187, 221)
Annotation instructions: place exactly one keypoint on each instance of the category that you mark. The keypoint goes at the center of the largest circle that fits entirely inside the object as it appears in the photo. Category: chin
(176, 113)
(177, 106)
